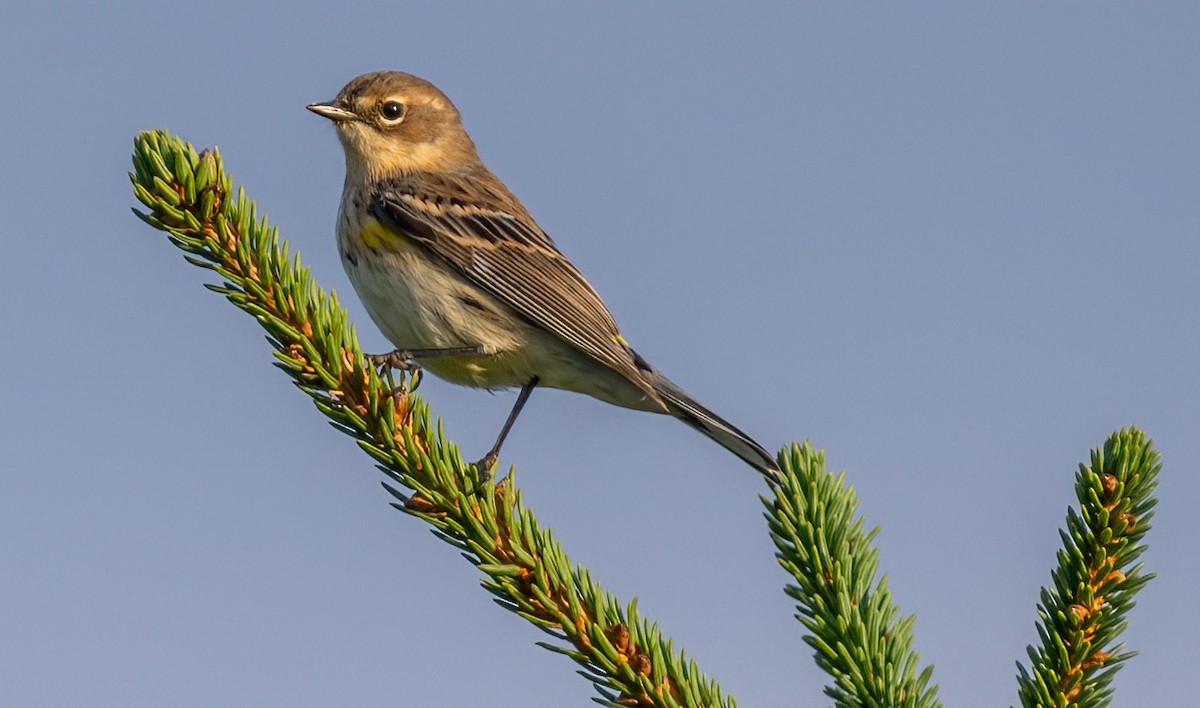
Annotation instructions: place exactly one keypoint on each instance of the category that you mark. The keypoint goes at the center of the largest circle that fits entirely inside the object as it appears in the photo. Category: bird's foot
(483, 472)
(400, 359)
(406, 359)
(485, 466)
(397, 360)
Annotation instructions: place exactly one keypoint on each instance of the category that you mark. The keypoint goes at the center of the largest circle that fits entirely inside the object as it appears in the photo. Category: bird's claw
(485, 466)
(398, 359)
(483, 473)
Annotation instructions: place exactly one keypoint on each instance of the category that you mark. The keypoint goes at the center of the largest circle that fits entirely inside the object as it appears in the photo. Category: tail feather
(685, 408)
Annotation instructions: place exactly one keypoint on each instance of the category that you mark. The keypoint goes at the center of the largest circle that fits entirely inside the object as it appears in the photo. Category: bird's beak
(332, 112)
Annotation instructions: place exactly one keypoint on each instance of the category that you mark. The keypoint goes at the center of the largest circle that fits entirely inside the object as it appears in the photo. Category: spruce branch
(851, 619)
(191, 198)
(1083, 614)
(852, 622)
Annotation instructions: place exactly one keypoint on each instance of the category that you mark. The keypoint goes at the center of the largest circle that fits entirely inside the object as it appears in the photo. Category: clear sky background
(954, 246)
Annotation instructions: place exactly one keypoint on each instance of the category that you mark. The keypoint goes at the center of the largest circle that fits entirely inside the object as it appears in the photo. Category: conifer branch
(626, 658)
(820, 541)
(1083, 614)
(851, 619)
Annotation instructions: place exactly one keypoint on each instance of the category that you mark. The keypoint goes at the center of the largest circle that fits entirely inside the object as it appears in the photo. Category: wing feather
(498, 247)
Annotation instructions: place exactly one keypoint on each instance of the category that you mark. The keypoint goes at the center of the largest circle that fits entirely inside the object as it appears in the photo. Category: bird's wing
(511, 258)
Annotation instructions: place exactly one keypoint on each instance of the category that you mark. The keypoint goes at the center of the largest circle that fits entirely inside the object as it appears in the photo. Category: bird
(459, 277)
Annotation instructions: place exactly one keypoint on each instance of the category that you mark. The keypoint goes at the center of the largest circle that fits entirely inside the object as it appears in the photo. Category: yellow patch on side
(376, 236)
(621, 340)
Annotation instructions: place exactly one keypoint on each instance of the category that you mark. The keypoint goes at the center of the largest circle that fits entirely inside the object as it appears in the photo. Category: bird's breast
(419, 302)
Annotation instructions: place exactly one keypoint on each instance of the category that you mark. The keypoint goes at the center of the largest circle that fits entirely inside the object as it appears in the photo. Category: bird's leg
(488, 461)
(406, 360)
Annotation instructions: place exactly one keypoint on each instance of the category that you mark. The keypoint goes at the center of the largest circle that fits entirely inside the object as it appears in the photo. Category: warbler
(459, 277)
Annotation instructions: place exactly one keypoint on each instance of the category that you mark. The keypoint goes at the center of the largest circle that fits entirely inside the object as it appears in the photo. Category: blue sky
(953, 245)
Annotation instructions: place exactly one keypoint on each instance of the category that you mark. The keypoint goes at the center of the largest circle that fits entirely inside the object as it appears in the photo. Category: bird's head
(393, 123)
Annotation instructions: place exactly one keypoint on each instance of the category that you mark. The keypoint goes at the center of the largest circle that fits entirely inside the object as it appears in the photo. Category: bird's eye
(392, 111)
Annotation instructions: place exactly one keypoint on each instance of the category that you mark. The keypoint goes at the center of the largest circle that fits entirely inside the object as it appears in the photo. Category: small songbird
(462, 280)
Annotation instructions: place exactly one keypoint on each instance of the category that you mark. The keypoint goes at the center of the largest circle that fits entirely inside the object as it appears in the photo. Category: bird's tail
(683, 407)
